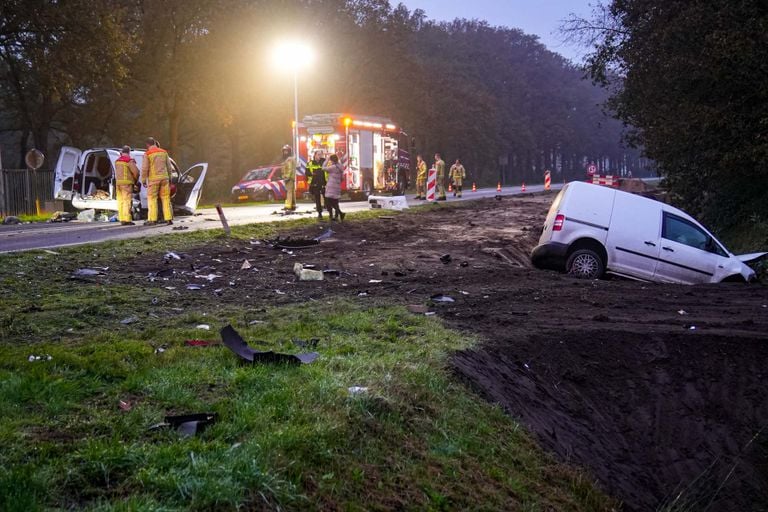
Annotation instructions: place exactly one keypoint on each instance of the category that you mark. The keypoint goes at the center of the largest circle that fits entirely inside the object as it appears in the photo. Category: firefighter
(289, 177)
(316, 177)
(155, 176)
(126, 177)
(421, 178)
(440, 168)
(458, 174)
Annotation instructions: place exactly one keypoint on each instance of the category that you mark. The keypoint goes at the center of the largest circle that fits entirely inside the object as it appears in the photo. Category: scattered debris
(388, 202)
(430, 313)
(464, 263)
(311, 344)
(208, 277)
(162, 348)
(254, 322)
(279, 292)
(418, 308)
(86, 215)
(306, 274)
(48, 251)
(375, 281)
(237, 344)
(125, 405)
(246, 265)
(682, 312)
(171, 256)
(129, 320)
(332, 272)
(200, 343)
(441, 298)
(328, 233)
(445, 258)
(362, 294)
(45, 357)
(357, 390)
(188, 424)
(86, 272)
(194, 287)
(179, 228)
(62, 217)
(204, 327)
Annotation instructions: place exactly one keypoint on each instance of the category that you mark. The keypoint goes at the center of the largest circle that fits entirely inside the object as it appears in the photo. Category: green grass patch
(290, 438)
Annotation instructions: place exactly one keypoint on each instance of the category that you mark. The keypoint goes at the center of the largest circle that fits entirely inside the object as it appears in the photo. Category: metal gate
(20, 189)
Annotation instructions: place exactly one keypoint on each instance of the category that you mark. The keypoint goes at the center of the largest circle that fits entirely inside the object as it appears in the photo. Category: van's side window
(681, 231)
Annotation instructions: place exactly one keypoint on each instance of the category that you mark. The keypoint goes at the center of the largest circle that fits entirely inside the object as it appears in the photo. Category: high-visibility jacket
(155, 166)
(316, 174)
(440, 168)
(289, 168)
(422, 167)
(458, 172)
(126, 172)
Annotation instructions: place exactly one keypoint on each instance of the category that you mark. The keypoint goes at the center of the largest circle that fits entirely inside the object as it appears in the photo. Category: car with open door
(86, 179)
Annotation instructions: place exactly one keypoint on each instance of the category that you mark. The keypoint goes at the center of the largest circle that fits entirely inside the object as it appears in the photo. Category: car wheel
(585, 264)
(270, 196)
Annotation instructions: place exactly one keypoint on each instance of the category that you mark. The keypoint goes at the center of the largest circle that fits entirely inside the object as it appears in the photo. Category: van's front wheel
(585, 264)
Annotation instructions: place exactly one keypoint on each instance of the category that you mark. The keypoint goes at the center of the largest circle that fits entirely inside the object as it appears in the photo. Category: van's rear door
(634, 235)
(64, 175)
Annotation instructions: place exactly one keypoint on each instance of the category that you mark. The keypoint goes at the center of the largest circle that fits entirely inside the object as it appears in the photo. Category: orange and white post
(547, 181)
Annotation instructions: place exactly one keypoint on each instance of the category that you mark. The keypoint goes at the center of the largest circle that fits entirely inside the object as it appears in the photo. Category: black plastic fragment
(237, 344)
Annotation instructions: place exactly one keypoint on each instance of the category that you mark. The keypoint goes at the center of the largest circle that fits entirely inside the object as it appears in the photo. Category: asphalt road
(27, 237)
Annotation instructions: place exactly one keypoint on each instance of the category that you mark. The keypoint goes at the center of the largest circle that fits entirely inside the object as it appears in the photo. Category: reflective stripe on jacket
(422, 175)
(155, 166)
(126, 172)
(289, 169)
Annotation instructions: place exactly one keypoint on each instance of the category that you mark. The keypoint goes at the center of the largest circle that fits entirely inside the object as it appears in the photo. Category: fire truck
(372, 150)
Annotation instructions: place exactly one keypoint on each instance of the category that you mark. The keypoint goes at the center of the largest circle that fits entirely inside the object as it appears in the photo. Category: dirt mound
(657, 418)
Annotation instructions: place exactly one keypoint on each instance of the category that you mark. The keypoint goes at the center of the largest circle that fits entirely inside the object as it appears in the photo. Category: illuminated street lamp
(293, 55)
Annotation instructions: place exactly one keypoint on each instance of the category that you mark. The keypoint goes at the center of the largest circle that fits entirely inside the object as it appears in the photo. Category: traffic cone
(522, 189)
(474, 187)
(450, 188)
(498, 187)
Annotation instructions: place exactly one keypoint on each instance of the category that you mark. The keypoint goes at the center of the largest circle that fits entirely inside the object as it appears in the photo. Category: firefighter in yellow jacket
(289, 178)
(440, 168)
(458, 175)
(155, 176)
(126, 177)
(421, 178)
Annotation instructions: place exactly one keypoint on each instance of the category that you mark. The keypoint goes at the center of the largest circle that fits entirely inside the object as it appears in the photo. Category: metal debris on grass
(237, 344)
(187, 424)
(45, 357)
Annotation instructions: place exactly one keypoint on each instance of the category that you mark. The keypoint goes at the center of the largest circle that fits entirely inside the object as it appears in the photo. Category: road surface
(26, 237)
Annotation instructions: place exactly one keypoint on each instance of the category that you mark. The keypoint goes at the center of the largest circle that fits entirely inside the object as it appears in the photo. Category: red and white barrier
(431, 184)
(607, 180)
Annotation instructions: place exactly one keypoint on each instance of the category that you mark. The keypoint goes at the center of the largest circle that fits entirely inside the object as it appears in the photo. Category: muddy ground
(658, 390)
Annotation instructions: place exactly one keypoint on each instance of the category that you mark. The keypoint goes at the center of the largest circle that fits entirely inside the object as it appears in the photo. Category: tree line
(691, 80)
(197, 75)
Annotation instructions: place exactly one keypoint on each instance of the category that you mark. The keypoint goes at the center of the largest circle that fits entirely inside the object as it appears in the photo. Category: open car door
(64, 175)
(189, 188)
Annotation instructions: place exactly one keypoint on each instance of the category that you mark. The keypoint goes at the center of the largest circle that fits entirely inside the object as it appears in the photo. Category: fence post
(3, 205)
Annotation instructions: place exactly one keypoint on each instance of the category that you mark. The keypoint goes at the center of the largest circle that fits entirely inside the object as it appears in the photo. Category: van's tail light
(559, 220)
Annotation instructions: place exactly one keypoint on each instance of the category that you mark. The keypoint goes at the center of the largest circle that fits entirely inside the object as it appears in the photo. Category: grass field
(288, 438)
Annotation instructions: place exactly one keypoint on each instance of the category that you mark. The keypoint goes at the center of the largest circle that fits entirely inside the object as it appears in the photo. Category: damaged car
(86, 179)
(591, 230)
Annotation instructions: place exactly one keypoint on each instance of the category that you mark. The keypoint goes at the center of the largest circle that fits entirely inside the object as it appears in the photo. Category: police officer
(126, 178)
(316, 177)
(458, 175)
(421, 178)
(289, 177)
(440, 168)
(155, 176)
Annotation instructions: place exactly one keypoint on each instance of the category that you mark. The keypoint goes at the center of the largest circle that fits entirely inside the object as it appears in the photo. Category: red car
(261, 184)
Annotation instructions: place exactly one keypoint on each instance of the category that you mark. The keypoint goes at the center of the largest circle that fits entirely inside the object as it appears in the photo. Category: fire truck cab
(372, 150)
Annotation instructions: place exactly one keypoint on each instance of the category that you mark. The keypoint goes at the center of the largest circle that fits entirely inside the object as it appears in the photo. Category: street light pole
(295, 123)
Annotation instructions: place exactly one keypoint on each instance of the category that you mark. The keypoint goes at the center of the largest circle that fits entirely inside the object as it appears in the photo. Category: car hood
(251, 184)
(746, 258)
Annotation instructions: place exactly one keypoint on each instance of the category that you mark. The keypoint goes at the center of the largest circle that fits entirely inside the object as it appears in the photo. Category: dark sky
(539, 17)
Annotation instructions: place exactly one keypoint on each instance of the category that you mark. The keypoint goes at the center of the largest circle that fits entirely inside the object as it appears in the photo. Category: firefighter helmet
(287, 149)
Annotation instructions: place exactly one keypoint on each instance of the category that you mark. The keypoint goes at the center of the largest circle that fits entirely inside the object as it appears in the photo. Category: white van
(87, 180)
(591, 229)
